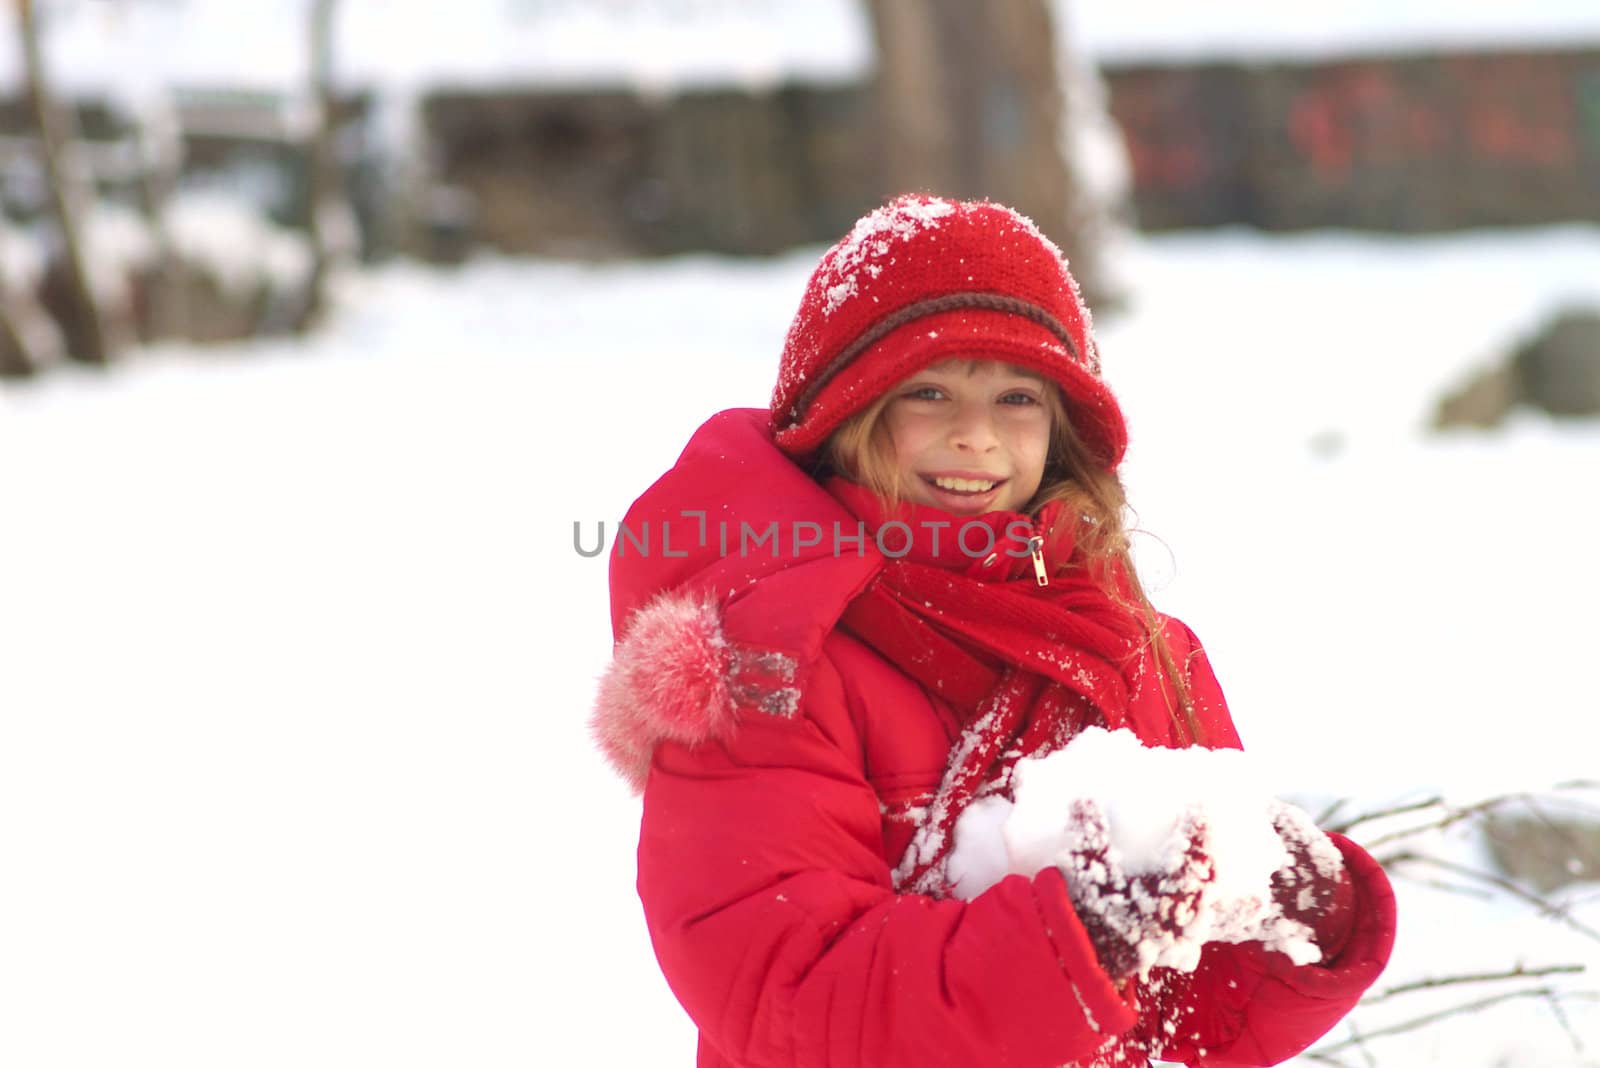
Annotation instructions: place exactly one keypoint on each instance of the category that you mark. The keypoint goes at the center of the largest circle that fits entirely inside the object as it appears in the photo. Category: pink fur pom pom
(668, 679)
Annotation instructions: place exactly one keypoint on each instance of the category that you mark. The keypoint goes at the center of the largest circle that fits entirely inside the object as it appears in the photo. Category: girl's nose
(973, 429)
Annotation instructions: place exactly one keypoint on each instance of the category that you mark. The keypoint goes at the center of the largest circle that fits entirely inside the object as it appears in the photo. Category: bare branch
(1519, 972)
(1543, 812)
(1455, 815)
(1476, 892)
(1325, 817)
(1356, 1040)
(1361, 1046)
(1450, 818)
(1382, 813)
(1544, 906)
(1458, 1010)
(1560, 1014)
(1539, 805)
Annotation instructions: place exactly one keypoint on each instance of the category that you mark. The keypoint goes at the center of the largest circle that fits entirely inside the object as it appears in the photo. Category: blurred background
(335, 333)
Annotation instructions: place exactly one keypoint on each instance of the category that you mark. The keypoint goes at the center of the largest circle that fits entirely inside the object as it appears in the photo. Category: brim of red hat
(963, 334)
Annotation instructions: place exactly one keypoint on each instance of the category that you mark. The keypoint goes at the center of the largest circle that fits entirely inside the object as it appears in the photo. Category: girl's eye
(1018, 397)
(924, 393)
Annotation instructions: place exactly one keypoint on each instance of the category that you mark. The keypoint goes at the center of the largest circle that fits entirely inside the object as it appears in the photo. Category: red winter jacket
(783, 764)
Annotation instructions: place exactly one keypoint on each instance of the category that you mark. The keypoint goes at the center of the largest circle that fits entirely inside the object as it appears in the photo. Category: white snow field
(296, 650)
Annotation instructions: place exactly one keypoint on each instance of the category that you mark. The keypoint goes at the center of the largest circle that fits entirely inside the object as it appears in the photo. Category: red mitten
(1136, 919)
(1313, 886)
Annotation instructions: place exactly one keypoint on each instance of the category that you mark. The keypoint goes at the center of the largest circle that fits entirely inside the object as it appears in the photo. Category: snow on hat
(924, 279)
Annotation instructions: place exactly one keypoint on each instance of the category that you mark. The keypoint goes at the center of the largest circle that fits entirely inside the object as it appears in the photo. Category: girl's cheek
(907, 431)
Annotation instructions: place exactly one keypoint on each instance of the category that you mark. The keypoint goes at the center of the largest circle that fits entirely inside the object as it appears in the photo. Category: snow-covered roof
(122, 46)
(99, 45)
(1179, 30)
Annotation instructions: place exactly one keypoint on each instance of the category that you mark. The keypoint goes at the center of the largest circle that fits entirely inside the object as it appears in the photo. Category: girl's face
(970, 436)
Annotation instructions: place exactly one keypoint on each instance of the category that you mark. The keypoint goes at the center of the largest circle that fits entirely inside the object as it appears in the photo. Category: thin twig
(1450, 818)
(1361, 1045)
(1383, 813)
(1356, 1039)
(1477, 893)
(1519, 972)
(1566, 1025)
(1540, 806)
(1324, 1058)
(1470, 1006)
(1555, 912)
(1456, 815)
(1325, 817)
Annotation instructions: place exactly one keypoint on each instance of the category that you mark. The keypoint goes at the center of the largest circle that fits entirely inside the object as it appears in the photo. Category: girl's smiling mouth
(964, 492)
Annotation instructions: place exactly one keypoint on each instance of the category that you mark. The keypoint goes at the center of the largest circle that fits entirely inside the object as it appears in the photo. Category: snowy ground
(296, 651)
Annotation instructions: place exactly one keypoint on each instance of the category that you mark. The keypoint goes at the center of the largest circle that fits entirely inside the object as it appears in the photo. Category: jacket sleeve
(1246, 1006)
(771, 909)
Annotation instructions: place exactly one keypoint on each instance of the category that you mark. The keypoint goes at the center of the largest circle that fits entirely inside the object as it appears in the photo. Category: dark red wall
(1408, 143)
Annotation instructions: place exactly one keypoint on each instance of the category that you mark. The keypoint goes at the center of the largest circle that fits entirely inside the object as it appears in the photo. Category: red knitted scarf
(1025, 666)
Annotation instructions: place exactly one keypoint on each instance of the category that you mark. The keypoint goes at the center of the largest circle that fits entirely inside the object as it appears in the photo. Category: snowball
(979, 860)
(1146, 795)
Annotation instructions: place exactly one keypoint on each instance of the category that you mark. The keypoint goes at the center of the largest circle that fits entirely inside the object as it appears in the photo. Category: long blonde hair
(862, 451)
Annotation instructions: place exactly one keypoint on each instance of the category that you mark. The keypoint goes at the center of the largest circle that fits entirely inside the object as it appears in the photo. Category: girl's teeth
(963, 485)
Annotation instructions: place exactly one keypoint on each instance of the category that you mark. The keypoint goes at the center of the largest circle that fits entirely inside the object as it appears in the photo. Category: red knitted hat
(922, 280)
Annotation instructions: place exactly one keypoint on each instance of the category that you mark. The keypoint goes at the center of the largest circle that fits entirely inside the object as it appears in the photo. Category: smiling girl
(809, 720)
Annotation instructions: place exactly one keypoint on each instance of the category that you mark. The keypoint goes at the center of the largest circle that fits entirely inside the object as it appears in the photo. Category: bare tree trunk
(915, 136)
(87, 328)
(970, 104)
(15, 361)
(321, 166)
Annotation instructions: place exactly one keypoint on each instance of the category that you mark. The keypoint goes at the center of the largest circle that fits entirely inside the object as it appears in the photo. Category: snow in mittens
(1148, 796)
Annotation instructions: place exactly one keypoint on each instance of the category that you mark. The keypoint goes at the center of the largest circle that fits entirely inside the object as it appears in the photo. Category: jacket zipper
(1036, 547)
